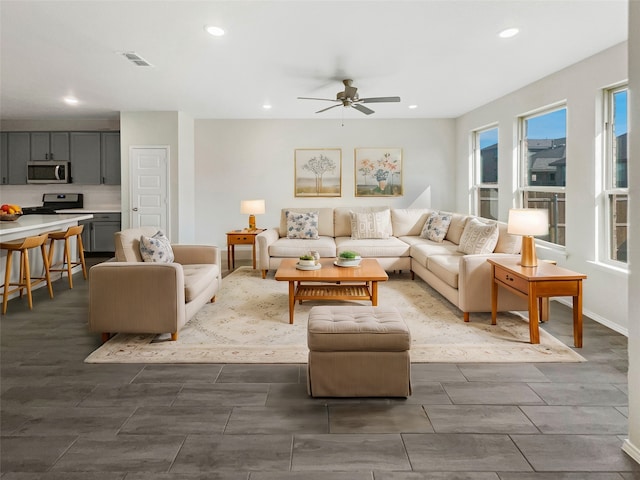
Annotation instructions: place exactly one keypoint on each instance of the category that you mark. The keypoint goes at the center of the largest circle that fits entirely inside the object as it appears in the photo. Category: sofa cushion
(342, 219)
(420, 252)
(436, 226)
(456, 227)
(156, 248)
(379, 247)
(445, 267)
(478, 237)
(294, 247)
(325, 220)
(197, 278)
(371, 224)
(408, 221)
(302, 225)
(507, 243)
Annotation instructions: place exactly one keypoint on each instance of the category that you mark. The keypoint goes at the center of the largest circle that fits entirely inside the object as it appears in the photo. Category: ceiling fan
(349, 98)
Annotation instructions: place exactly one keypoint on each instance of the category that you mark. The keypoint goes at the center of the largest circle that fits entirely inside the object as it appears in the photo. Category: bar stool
(26, 281)
(75, 231)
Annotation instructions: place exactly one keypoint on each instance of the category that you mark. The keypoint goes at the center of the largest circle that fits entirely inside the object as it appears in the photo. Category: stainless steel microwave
(48, 172)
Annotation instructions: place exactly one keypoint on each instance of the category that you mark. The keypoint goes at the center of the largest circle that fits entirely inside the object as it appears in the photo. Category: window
(485, 159)
(543, 140)
(616, 188)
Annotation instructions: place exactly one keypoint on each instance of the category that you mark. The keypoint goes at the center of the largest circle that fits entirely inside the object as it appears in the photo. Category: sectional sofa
(447, 250)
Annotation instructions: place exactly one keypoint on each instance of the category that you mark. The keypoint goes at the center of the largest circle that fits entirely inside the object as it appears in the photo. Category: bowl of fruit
(9, 212)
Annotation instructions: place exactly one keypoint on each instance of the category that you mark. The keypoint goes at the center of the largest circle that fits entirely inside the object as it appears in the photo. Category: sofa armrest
(263, 241)
(136, 297)
(196, 254)
(474, 285)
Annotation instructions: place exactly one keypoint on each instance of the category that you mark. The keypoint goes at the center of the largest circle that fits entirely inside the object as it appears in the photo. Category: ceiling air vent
(136, 59)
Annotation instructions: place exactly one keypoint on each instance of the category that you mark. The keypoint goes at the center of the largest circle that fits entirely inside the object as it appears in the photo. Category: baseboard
(594, 316)
(631, 450)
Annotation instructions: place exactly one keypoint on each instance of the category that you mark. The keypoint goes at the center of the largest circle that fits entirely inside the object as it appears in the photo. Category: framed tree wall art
(378, 172)
(318, 172)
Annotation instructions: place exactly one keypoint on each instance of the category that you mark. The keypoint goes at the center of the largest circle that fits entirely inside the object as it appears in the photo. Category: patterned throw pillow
(370, 224)
(156, 249)
(302, 225)
(436, 226)
(478, 237)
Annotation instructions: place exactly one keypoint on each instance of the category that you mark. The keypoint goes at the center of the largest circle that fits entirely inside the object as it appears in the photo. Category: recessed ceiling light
(71, 101)
(509, 32)
(215, 31)
(413, 106)
(266, 106)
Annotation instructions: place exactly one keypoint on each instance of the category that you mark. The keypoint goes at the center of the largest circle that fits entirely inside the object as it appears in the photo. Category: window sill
(609, 268)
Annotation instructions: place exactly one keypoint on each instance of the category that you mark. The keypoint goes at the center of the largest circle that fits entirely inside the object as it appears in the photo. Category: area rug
(249, 323)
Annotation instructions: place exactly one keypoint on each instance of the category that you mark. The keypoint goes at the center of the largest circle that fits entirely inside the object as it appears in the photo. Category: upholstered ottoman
(358, 351)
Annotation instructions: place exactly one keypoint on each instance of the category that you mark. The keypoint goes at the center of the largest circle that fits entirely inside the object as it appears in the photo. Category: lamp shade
(252, 207)
(528, 221)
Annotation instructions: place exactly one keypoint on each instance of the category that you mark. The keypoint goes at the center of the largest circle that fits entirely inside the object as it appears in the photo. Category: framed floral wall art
(378, 172)
(318, 172)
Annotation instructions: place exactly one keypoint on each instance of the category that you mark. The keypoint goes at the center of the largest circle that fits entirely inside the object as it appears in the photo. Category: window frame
(523, 168)
(609, 190)
(477, 185)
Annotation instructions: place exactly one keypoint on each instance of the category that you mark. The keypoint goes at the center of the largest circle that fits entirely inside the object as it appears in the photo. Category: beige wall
(632, 445)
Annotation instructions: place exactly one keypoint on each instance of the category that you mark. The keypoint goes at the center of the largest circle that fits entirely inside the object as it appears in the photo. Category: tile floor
(63, 419)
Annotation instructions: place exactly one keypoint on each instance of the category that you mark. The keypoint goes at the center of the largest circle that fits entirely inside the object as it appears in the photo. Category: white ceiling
(444, 56)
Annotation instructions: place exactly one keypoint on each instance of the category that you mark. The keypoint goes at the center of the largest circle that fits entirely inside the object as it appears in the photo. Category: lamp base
(529, 258)
(252, 222)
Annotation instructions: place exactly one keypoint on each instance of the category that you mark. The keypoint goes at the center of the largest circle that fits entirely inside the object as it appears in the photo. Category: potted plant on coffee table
(348, 258)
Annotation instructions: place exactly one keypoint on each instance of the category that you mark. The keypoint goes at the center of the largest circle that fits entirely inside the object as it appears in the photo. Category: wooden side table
(241, 237)
(534, 283)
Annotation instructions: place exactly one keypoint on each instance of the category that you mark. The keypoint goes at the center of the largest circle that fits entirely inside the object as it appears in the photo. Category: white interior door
(149, 192)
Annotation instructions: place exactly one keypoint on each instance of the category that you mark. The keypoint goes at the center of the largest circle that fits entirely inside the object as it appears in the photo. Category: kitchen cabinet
(110, 157)
(49, 146)
(4, 159)
(18, 155)
(97, 235)
(85, 158)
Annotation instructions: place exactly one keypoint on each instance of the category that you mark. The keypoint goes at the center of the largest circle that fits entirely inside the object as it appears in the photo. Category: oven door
(48, 172)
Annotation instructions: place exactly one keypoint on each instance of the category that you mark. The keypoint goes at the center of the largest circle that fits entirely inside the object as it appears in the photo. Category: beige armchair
(132, 296)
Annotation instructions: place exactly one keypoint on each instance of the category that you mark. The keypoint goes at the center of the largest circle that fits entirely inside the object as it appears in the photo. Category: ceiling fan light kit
(349, 98)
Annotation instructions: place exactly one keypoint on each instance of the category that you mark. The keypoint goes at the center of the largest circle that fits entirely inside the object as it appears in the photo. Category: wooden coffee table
(331, 282)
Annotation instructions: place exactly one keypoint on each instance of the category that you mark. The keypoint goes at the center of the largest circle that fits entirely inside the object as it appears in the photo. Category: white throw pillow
(156, 249)
(302, 225)
(478, 237)
(370, 224)
(436, 226)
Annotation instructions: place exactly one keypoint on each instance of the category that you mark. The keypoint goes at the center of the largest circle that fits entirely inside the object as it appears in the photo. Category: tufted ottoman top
(357, 328)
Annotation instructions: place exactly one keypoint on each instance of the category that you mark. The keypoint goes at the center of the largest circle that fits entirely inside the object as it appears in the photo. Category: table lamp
(528, 222)
(252, 208)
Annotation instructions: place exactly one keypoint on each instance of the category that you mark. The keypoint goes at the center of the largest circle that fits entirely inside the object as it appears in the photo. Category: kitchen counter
(28, 225)
(91, 210)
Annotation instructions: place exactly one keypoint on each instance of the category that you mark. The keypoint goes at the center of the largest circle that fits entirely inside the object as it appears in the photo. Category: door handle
(135, 209)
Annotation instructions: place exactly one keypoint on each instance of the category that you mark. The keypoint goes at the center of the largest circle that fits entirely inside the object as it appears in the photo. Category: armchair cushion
(156, 248)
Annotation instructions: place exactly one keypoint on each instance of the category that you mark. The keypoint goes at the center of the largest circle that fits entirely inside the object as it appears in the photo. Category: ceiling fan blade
(379, 99)
(362, 108)
(328, 108)
(324, 99)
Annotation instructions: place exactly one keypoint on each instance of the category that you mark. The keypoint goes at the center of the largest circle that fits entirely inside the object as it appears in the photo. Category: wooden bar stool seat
(25, 281)
(67, 263)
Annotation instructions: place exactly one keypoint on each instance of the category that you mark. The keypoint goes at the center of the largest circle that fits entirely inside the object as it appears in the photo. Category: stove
(56, 201)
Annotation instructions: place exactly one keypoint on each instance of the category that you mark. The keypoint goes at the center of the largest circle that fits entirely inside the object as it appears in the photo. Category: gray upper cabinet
(85, 158)
(111, 158)
(18, 155)
(4, 159)
(49, 146)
